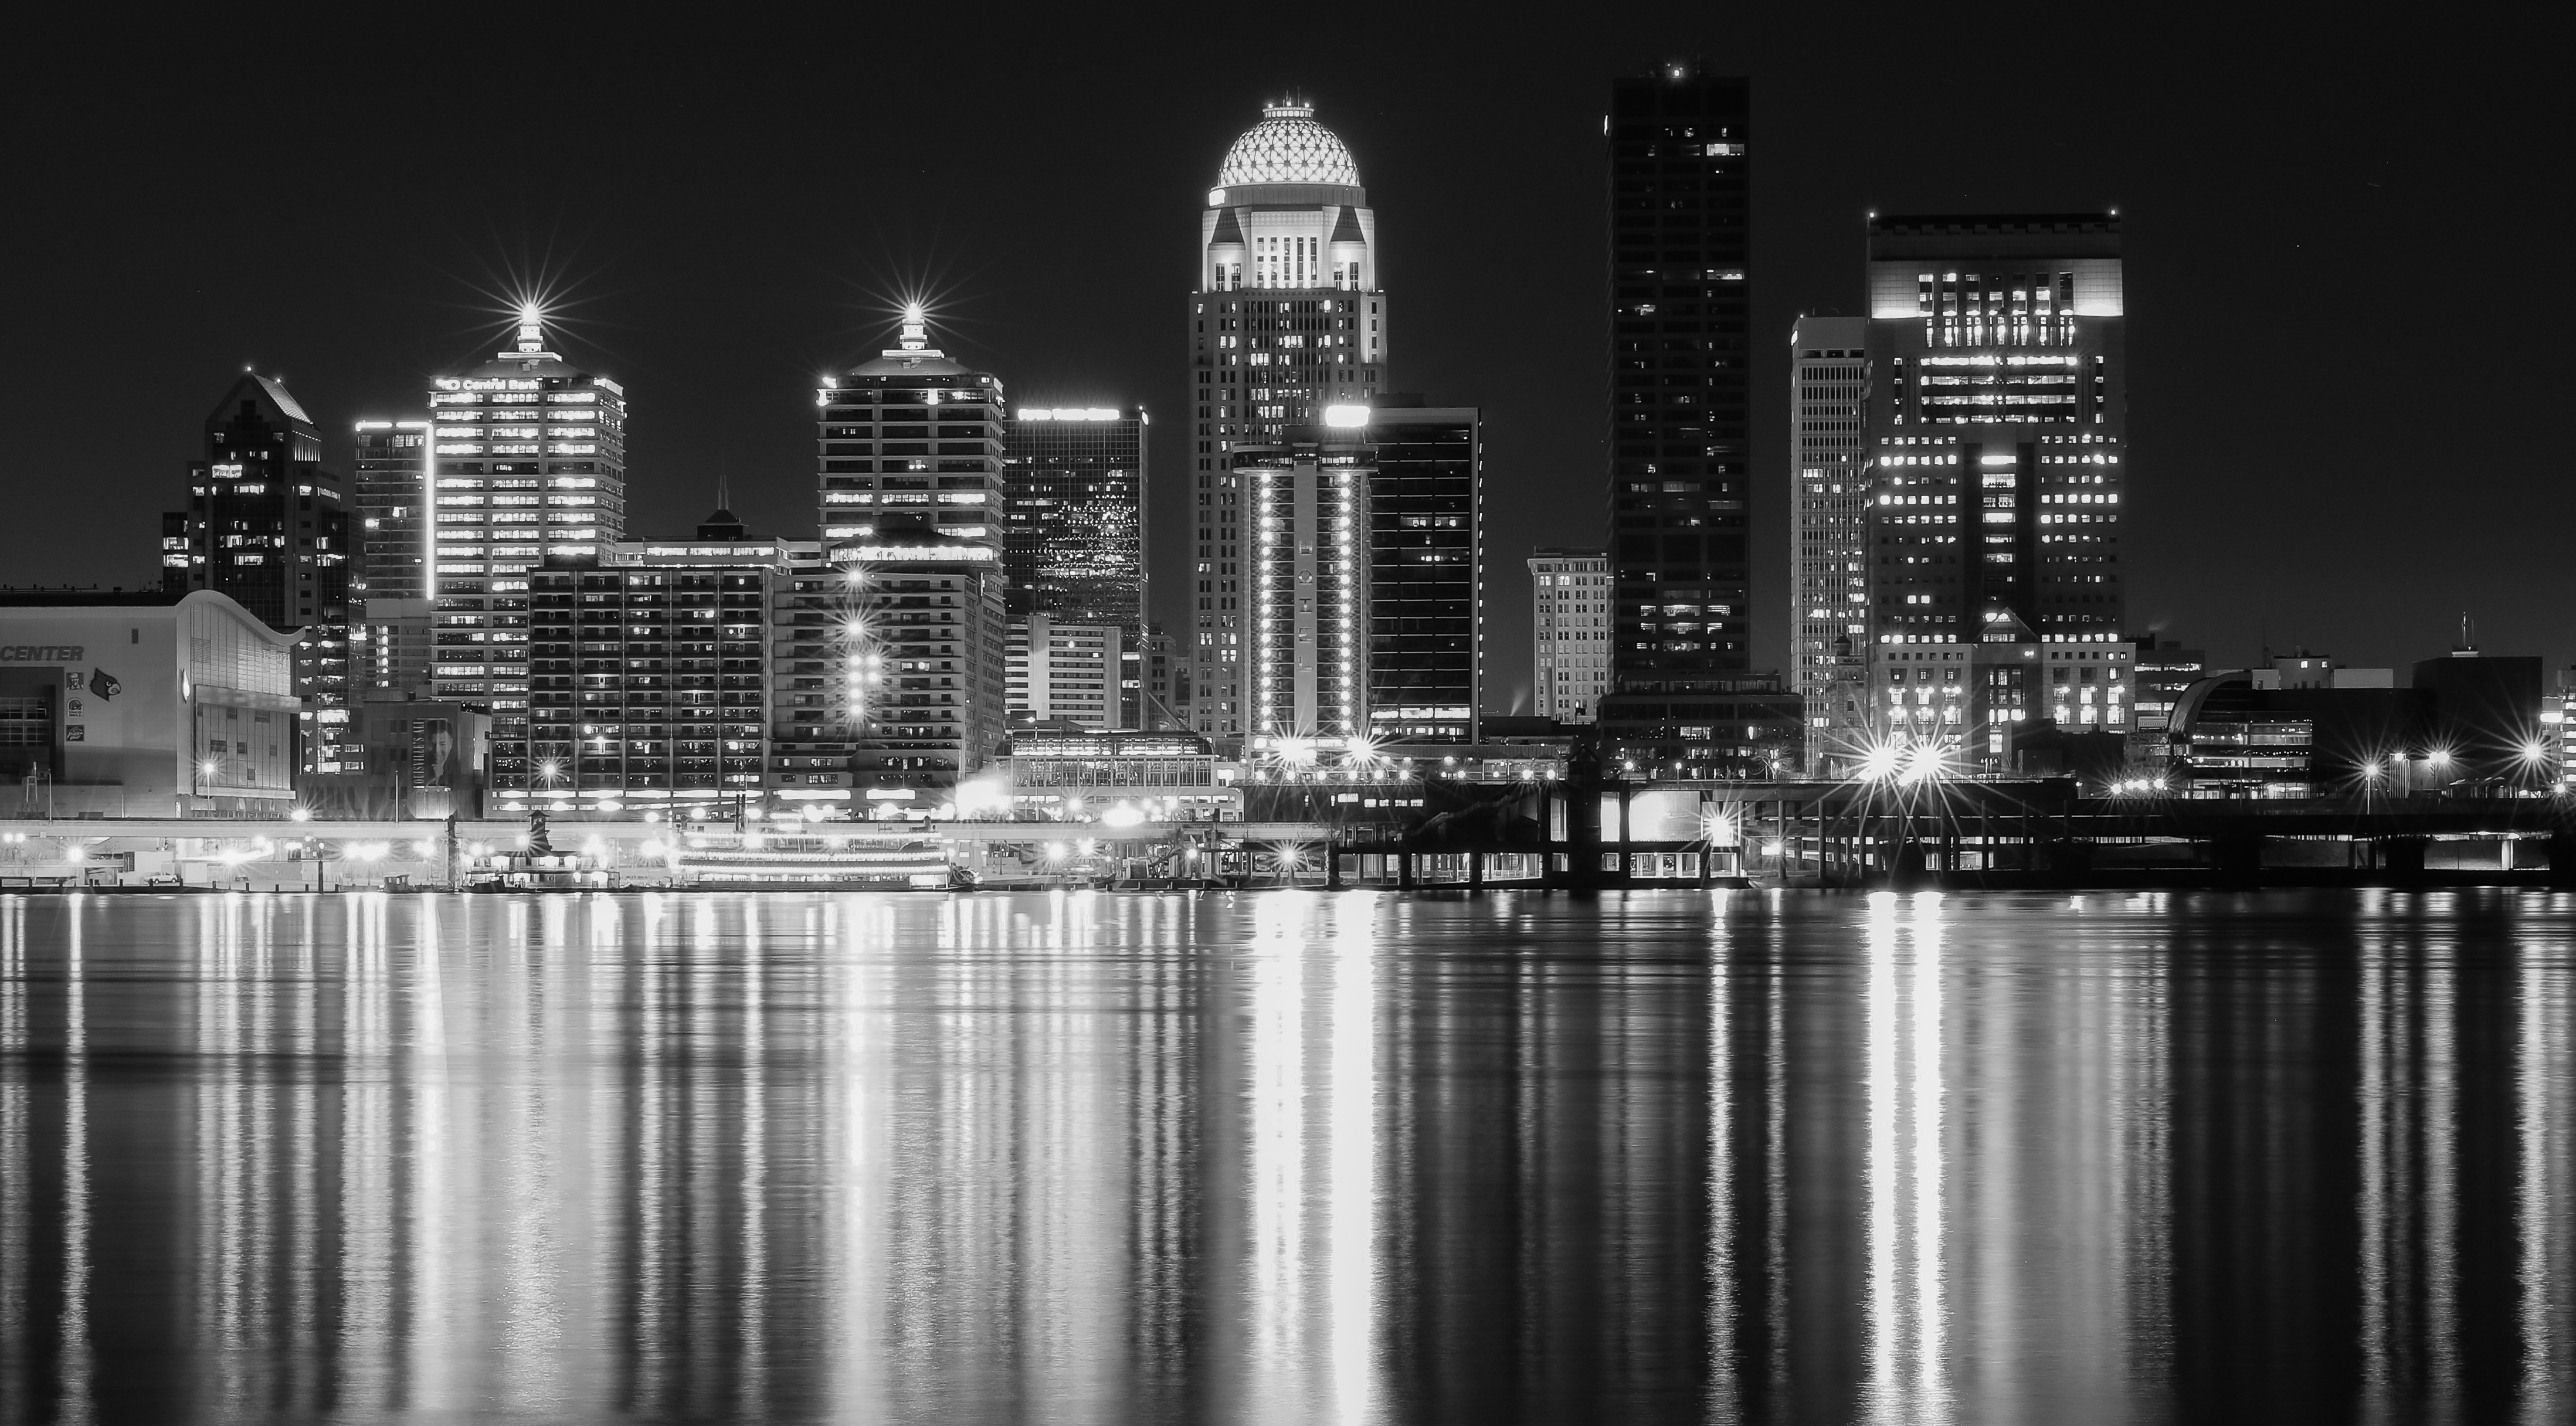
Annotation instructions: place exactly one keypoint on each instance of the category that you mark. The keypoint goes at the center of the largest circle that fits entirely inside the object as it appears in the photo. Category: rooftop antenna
(2468, 645)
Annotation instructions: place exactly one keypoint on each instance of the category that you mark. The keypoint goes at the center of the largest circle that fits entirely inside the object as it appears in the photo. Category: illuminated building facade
(649, 671)
(911, 506)
(1062, 670)
(1306, 681)
(1998, 434)
(1829, 529)
(1074, 515)
(1570, 631)
(143, 703)
(265, 527)
(1287, 320)
(1683, 701)
(531, 460)
(1426, 648)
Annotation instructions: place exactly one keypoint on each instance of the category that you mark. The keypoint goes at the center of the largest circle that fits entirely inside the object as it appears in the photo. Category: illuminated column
(1307, 678)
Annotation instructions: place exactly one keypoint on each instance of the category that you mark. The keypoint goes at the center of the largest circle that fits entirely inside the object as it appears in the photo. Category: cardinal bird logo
(104, 684)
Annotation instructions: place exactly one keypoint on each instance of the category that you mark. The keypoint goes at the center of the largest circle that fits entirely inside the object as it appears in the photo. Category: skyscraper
(1074, 521)
(1287, 319)
(1570, 631)
(390, 613)
(391, 505)
(1426, 646)
(531, 460)
(1683, 699)
(1828, 528)
(266, 528)
(911, 504)
(1998, 433)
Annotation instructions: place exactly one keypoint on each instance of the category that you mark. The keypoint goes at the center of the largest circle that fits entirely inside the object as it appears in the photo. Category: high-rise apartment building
(911, 505)
(1683, 699)
(1059, 670)
(1570, 631)
(1426, 641)
(1828, 529)
(1287, 320)
(531, 465)
(1074, 515)
(1998, 436)
(1306, 502)
(650, 673)
(265, 527)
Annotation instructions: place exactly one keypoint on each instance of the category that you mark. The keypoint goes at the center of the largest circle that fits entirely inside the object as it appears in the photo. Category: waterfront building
(1998, 439)
(1305, 685)
(1828, 530)
(1570, 631)
(1683, 695)
(1074, 515)
(1426, 585)
(1065, 672)
(1080, 775)
(265, 527)
(911, 508)
(649, 666)
(530, 453)
(1287, 319)
(151, 703)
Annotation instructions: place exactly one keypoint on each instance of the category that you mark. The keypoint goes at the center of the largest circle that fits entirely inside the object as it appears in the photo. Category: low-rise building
(1068, 772)
(144, 704)
(1570, 631)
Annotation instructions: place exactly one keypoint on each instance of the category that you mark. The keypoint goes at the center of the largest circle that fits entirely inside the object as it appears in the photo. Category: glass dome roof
(1288, 146)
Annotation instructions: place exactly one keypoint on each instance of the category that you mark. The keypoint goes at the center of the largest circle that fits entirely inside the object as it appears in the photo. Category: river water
(1288, 1157)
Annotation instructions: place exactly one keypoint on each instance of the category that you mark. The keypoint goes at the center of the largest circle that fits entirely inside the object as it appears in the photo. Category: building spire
(531, 342)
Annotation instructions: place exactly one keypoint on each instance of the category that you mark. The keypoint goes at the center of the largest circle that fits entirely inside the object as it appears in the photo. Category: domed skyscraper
(1287, 321)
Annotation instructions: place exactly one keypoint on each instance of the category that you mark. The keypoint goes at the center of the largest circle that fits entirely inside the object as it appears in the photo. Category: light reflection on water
(1288, 1157)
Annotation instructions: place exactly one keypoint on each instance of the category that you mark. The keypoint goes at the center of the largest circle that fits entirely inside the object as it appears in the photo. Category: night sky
(2330, 229)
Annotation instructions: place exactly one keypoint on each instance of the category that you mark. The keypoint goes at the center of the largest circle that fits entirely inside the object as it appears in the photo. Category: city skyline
(392, 312)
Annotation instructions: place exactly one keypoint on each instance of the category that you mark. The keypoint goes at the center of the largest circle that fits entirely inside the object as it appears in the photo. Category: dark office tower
(911, 511)
(1287, 320)
(265, 527)
(1074, 515)
(392, 511)
(390, 610)
(1680, 439)
(1426, 572)
(531, 466)
(1998, 440)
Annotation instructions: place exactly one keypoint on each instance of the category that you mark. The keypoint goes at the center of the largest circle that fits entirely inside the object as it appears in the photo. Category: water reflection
(1287, 1157)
